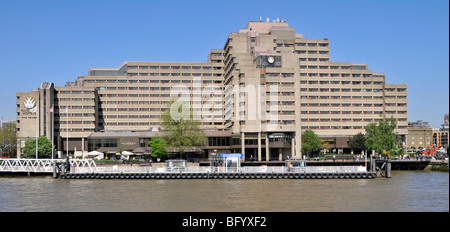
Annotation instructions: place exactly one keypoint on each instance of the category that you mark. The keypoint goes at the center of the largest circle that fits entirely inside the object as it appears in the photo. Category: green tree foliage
(381, 137)
(310, 142)
(357, 143)
(8, 140)
(158, 147)
(180, 130)
(44, 148)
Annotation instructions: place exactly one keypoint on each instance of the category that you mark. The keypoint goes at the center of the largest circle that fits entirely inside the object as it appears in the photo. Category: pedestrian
(334, 158)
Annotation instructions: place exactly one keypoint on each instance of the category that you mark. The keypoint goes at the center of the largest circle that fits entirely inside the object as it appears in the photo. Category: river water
(406, 191)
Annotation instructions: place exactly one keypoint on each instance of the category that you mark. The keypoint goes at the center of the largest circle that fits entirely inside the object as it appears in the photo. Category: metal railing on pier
(201, 169)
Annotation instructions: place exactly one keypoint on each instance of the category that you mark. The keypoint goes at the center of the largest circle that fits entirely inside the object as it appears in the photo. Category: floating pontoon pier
(177, 169)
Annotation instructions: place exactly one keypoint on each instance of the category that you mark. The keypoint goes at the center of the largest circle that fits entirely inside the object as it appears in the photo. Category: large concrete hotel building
(256, 96)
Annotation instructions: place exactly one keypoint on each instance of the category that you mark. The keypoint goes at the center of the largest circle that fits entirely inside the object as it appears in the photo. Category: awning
(127, 153)
(95, 153)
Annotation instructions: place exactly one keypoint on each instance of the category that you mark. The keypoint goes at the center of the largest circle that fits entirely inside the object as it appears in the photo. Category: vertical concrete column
(259, 146)
(82, 147)
(298, 144)
(280, 154)
(243, 145)
(293, 149)
(267, 148)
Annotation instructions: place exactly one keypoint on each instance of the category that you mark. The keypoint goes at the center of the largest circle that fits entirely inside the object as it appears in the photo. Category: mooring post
(371, 164)
(54, 170)
(374, 164)
(388, 169)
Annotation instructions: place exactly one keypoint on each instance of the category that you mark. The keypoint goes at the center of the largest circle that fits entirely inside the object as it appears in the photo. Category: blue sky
(57, 41)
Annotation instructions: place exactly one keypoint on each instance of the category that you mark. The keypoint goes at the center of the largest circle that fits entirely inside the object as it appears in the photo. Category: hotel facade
(255, 96)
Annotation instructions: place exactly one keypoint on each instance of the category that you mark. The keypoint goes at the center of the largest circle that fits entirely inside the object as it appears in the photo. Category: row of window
(347, 97)
(339, 127)
(353, 112)
(76, 92)
(333, 75)
(343, 104)
(75, 122)
(301, 44)
(347, 119)
(315, 82)
(158, 110)
(160, 88)
(149, 123)
(325, 66)
(175, 74)
(338, 90)
(314, 59)
(171, 67)
(311, 52)
(74, 130)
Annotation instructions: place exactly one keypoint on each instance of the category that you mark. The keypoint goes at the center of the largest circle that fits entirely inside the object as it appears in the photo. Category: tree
(310, 142)
(158, 147)
(381, 137)
(44, 148)
(180, 130)
(8, 140)
(121, 147)
(357, 143)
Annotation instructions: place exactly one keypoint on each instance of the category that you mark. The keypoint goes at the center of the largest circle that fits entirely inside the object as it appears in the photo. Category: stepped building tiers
(255, 97)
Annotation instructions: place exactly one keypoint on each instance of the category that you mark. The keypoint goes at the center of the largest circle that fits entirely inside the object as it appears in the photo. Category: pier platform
(182, 175)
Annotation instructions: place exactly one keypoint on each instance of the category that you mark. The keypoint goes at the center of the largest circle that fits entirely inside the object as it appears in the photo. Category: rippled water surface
(409, 191)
